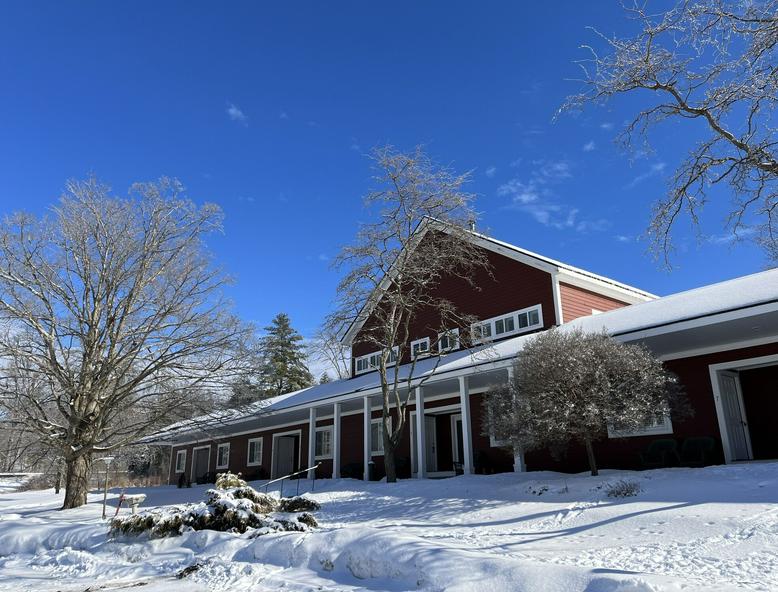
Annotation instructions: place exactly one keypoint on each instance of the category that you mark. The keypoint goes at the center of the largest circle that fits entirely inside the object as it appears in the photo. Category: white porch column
(518, 455)
(367, 448)
(421, 440)
(467, 431)
(311, 442)
(336, 442)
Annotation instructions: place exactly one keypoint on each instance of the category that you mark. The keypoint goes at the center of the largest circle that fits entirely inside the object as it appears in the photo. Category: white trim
(219, 447)
(513, 316)
(713, 370)
(557, 292)
(371, 367)
(666, 427)
(454, 447)
(327, 428)
(175, 466)
(707, 319)
(258, 463)
(604, 288)
(421, 354)
(451, 334)
(298, 433)
(192, 476)
(714, 349)
(380, 441)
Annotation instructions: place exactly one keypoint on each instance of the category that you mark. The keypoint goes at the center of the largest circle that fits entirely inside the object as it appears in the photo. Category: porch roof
(717, 313)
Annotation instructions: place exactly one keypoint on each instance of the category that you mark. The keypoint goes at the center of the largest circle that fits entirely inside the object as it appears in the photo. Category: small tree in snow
(571, 386)
(283, 366)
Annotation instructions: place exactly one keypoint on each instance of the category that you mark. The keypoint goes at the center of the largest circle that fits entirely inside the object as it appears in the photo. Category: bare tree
(573, 387)
(326, 349)
(394, 266)
(114, 319)
(712, 62)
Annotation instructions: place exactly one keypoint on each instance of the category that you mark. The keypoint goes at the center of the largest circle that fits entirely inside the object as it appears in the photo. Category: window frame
(322, 429)
(179, 454)
(255, 463)
(421, 354)
(370, 366)
(450, 334)
(378, 421)
(219, 448)
(657, 429)
(491, 323)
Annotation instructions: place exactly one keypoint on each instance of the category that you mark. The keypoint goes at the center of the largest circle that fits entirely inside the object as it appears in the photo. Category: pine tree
(283, 368)
(324, 378)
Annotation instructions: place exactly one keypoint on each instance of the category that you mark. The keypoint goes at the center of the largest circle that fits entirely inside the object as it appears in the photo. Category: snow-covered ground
(689, 529)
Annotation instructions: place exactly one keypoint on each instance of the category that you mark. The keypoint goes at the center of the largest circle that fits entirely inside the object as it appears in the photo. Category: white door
(734, 416)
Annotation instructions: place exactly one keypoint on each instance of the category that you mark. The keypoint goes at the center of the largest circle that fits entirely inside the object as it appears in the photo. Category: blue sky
(269, 110)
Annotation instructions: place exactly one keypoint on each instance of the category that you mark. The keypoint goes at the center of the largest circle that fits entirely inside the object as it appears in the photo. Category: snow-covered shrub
(571, 387)
(307, 519)
(298, 504)
(227, 510)
(622, 488)
(229, 480)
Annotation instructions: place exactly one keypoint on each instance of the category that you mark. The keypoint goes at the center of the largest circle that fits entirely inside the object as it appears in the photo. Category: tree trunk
(389, 458)
(590, 454)
(76, 480)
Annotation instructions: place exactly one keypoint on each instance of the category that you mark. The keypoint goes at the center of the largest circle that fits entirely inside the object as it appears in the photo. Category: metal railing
(282, 479)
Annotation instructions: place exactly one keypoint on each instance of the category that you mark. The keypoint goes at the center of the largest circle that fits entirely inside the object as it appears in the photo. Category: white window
(370, 362)
(420, 347)
(255, 452)
(520, 321)
(223, 456)
(324, 442)
(658, 425)
(448, 340)
(180, 461)
(377, 436)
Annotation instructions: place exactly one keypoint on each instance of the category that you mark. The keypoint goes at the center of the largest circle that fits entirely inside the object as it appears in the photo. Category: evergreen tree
(283, 368)
(324, 378)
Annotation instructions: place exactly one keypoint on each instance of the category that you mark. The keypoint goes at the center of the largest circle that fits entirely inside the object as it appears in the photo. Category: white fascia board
(604, 287)
(710, 319)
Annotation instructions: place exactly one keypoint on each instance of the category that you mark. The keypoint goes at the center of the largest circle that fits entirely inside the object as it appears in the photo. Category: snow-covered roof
(699, 303)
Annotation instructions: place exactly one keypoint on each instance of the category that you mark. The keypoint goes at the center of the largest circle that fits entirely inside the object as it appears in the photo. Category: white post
(467, 431)
(518, 455)
(367, 447)
(336, 442)
(311, 442)
(421, 440)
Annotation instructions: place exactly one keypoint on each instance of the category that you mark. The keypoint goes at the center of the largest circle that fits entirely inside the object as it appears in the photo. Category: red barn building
(721, 340)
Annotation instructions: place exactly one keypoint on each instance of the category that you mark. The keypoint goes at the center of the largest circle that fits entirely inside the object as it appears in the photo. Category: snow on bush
(228, 510)
(623, 488)
(298, 504)
(229, 481)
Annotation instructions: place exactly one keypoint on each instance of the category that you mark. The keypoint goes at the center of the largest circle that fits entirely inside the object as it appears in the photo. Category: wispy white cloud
(729, 238)
(491, 171)
(589, 146)
(606, 125)
(355, 145)
(623, 238)
(323, 257)
(236, 114)
(536, 197)
(654, 170)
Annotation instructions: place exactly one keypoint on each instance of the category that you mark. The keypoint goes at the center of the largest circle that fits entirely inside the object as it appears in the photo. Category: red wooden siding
(578, 302)
(512, 286)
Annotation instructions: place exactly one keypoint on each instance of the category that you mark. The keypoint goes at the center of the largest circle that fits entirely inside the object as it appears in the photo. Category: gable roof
(564, 272)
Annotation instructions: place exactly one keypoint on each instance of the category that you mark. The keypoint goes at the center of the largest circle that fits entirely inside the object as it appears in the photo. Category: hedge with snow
(232, 506)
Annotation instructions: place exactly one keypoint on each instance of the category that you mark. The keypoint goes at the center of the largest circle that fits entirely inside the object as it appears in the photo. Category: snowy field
(689, 529)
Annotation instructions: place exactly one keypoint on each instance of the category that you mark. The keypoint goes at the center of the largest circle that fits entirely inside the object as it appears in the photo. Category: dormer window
(520, 321)
(420, 347)
(370, 362)
(448, 340)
